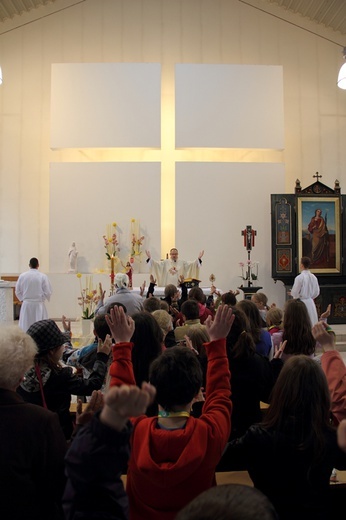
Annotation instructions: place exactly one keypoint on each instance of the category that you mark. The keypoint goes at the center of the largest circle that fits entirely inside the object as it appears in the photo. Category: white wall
(216, 215)
(164, 32)
(102, 105)
(87, 197)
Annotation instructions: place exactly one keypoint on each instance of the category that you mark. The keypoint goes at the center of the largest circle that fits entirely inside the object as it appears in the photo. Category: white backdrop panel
(229, 106)
(105, 105)
(86, 197)
(221, 200)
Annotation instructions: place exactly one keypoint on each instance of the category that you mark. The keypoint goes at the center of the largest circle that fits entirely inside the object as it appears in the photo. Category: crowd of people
(175, 387)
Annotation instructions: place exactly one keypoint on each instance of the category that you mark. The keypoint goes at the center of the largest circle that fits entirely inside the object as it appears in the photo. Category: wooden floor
(233, 477)
(242, 477)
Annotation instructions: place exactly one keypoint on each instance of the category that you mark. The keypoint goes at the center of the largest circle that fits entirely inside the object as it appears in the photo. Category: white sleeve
(156, 269)
(18, 289)
(295, 291)
(316, 288)
(47, 288)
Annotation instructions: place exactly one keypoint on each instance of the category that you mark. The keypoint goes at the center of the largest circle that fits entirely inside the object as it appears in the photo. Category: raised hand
(95, 404)
(66, 324)
(321, 335)
(220, 326)
(152, 279)
(105, 346)
(121, 326)
(189, 344)
(122, 402)
(326, 313)
(278, 350)
(201, 253)
(101, 292)
(148, 253)
(142, 288)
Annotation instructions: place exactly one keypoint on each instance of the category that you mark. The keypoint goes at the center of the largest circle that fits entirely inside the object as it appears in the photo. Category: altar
(6, 301)
(159, 292)
(66, 291)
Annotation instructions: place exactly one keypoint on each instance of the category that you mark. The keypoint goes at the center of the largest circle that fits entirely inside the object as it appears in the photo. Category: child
(291, 453)
(174, 456)
(274, 320)
(261, 301)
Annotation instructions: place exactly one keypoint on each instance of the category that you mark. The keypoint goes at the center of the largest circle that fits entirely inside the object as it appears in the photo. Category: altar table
(6, 301)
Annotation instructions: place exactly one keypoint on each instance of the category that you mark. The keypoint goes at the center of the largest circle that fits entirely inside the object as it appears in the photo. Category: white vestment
(168, 272)
(32, 289)
(306, 288)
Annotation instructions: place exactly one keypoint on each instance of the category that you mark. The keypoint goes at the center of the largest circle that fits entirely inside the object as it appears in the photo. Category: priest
(168, 271)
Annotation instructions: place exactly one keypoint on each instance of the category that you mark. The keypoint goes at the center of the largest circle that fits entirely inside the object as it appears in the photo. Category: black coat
(297, 484)
(32, 450)
(94, 464)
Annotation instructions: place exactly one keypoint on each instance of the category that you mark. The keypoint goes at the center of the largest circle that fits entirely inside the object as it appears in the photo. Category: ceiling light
(342, 73)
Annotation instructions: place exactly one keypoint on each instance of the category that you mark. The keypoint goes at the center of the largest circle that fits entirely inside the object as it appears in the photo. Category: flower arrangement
(88, 298)
(136, 240)
(249, 270)
(111, 243)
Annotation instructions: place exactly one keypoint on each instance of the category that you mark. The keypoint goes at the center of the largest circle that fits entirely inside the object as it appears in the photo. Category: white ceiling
(326, 13)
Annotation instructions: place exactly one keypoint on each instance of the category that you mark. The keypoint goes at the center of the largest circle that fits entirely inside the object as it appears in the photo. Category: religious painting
(319, 234)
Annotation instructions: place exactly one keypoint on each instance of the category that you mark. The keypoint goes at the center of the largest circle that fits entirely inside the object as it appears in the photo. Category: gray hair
(121, 280)
(17, 352)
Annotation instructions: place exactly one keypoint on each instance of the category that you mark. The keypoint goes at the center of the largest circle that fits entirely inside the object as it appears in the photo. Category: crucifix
(318, 176)
(249, 242)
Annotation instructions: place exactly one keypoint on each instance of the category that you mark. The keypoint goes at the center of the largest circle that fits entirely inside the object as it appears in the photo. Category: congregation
(173, 389)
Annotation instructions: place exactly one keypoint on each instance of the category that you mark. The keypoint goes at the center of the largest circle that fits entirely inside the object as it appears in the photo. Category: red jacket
(334, 367)
(168, 468)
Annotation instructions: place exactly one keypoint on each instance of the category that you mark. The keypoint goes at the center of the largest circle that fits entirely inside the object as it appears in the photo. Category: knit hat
(46, 335)
(121, 280)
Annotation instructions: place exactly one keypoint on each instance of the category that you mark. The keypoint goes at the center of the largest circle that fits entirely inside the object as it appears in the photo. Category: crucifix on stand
(249, 242)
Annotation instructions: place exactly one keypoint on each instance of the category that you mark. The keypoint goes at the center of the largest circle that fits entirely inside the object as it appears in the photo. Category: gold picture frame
(319, 234)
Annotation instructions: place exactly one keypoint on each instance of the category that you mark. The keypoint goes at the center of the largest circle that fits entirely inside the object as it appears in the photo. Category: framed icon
(319, 234)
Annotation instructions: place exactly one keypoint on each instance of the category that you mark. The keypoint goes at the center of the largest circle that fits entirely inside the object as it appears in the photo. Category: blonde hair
(260, 297)
(164, 319)
(17, 353)
(274, 317)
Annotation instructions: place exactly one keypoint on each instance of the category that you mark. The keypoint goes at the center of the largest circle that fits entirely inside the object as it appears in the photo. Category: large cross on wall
(144, 125)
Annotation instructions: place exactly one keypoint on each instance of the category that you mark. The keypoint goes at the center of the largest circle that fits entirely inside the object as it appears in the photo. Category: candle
(112, 264)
